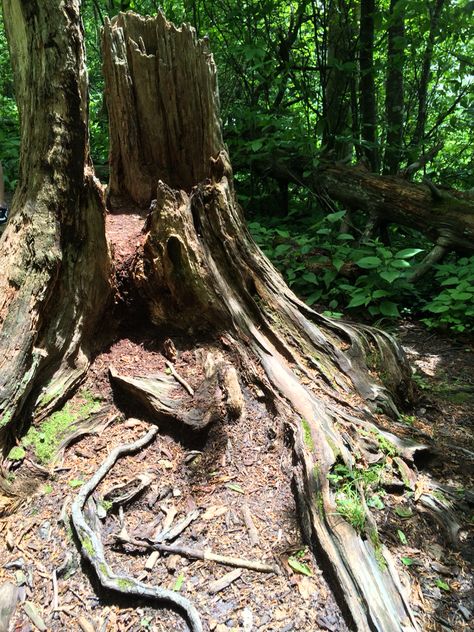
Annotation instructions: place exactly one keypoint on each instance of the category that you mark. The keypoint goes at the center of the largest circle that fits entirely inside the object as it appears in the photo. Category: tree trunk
(152, 138)
(446, 218)
(368, 104)
(337, 87)
(55, 274)
(394, 99)
(200, 270)
(435, 10)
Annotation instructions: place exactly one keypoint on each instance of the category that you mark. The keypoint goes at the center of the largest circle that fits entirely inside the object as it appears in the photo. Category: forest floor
(235, 480)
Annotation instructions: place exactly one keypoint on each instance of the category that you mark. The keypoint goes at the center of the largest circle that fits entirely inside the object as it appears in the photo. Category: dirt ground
(237, 478)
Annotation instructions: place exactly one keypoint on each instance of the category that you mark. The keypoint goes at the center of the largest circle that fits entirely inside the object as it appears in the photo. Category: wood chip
(249, 523)
(151, 561)
(85, 625)
(223, 582)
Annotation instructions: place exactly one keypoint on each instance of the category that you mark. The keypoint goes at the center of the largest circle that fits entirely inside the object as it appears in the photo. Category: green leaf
(380, 293)
(443, 585)
(390, 275)
(388, 308)
(437, 308)
(235, 488)
(450, 281)
(407, 253)
(282, 248)
(335, 217)
(310, 277)
(369, 263)
(402, 537)
(407, 561)
(399, 263)
(403, 513)
(179, 583)
(345, 237)
(337, 263)
(358, 300)
(299, 567)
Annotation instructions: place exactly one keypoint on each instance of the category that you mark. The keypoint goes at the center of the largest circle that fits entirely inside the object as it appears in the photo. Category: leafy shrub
(453, 307)
(323, 265)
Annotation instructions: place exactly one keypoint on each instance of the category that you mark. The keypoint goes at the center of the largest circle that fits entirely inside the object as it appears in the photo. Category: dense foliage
(386, 82)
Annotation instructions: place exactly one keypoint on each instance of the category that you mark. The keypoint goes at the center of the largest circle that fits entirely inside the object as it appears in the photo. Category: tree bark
(55, 274)
(394, 93)
(435, 10)
(447, 218)
(152, 138)
(368, 105)
(200, 270)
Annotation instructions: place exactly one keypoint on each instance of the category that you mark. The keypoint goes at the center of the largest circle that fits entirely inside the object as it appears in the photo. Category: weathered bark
(446, 218)
(200, 270)
(153, 138)
(55, 267)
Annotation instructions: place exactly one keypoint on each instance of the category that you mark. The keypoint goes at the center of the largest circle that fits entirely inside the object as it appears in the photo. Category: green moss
(124, 583)
(6, 418)
(88, 546)
(16, 454)
(103, 569)
(375, 539)
(308, 439)
(45, 439)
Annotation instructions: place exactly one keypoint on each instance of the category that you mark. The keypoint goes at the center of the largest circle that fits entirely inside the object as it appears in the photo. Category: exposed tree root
(92, 548)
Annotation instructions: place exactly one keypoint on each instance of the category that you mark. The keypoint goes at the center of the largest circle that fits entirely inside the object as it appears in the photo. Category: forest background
(385, 85)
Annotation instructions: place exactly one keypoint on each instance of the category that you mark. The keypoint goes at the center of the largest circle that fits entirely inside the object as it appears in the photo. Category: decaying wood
(157, 395)
(149, 141)
(55, 282)
(93, 550)
(198, 254)
(447, 219)
(200, 554)
(124, 493)
(223, 582)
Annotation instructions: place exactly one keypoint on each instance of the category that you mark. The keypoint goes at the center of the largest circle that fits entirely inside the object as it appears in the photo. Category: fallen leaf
(235, 488)
(299, 567)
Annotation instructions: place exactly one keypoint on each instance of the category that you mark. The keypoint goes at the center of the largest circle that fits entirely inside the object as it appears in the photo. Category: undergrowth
(349, 274)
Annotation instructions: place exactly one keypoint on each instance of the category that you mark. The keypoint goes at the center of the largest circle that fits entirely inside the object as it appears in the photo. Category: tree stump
(199, 270)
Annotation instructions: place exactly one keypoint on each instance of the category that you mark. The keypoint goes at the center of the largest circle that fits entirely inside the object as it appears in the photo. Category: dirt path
(233, 471)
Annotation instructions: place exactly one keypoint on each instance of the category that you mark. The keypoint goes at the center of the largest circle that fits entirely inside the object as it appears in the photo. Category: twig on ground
(179, 379)
(249, 523)
(200, 554)
(223, 582)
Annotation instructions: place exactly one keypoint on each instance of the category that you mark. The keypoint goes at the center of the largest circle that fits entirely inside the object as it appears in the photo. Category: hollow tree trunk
(200, 270)
(55, 266)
